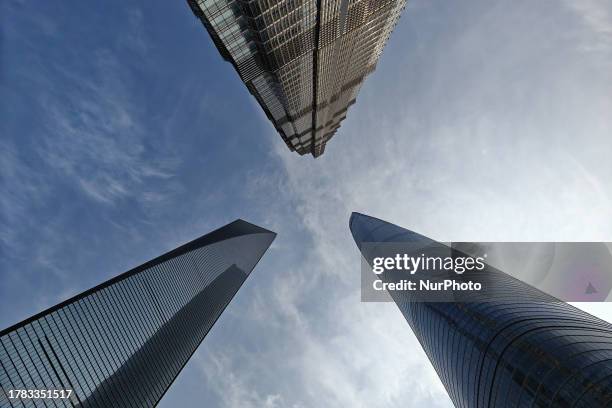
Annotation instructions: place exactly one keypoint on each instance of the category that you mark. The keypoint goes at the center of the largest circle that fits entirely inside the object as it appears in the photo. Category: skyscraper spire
(123, 342)
(524, 349)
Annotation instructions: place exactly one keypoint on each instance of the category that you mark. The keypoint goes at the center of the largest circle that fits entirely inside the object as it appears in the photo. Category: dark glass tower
(525, 349)
(123, 342)
(305, 60)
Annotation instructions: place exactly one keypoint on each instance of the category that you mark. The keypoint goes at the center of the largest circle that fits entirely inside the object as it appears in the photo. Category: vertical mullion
(40, 358)
(123, 308)
(13, 380)
(69, 358)
(9, 378)
(29, 378)
(146, 362)
(107, 338)
(34, 367)
(101, 372)
(80, 361)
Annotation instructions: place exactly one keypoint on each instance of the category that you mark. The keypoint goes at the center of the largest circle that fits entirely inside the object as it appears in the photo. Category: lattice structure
(303, 60)
(123, 342)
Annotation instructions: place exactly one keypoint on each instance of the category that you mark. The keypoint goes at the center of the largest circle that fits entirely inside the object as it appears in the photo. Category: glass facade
(303, 60)
(122, 343)
(524, 349)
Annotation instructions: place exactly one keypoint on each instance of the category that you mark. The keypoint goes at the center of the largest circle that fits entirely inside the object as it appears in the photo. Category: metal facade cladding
(122, 343)
(305, 60)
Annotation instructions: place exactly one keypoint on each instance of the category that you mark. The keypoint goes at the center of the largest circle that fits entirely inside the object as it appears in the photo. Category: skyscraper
(303, 60)
(524, 348)
(123, 342)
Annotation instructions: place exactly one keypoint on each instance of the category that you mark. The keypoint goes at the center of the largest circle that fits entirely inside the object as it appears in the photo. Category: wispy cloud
(77, 142)
(483, 121)
(489, 130)
(597, 16)
(229, 380)
(95, 134)
(20, 187)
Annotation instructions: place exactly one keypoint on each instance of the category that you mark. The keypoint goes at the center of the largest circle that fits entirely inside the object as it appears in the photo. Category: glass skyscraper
(522, 349)
(123, 342)
(303, 60)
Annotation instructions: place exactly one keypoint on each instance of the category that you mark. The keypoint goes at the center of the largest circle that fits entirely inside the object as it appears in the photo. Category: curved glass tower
(523, 349)
(123, 342)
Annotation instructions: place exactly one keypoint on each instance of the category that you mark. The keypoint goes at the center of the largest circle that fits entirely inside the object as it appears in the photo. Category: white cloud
(96, 135)
(597, 16)
(494, 132)
(76, 144)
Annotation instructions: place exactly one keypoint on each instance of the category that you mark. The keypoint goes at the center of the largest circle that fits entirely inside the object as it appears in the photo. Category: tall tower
(123, 342)
(523, 349)
(303, 60)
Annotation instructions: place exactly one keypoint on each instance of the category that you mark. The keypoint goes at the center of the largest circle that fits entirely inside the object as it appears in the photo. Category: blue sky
(124, 134)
